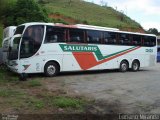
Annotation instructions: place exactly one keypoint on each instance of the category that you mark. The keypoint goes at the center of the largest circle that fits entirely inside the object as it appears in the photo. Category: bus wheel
(51, 69)
(123, 66)
(23, 77)
(135, 65)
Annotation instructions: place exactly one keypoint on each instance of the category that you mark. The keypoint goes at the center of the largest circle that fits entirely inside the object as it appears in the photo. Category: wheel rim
(124, 66)
(135, 66)
(51, 70)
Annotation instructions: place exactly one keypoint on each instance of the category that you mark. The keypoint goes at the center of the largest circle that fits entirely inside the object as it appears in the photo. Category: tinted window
(149, 41)
(110, 37)
(136, 40)
(54, 34)
(19, 30)
(124, 39)
(76, 35)
(93, 36)
(13, 52)
(31, 40)
(153, 41)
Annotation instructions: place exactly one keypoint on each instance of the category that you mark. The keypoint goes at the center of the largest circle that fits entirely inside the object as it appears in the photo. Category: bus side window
(109, 38)
(124, 39)
(153, 41)
(94, 36)
(76, 35)
(54, 34)
(136, 40)
(149, 41)
(106, 37)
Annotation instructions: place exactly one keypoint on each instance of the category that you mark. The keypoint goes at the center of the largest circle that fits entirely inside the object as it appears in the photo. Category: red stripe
(87, 60)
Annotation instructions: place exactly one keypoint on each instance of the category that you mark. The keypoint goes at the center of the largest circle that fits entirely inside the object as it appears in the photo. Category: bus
(52, 48)
(8, 32)
(158, 53)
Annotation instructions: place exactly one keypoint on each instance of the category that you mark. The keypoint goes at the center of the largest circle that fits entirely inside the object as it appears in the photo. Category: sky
(145, 12)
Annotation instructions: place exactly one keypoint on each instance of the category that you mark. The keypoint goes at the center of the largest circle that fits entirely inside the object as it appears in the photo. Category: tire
(123, 66)
(23, 77)
(135, 66)
(51, 69)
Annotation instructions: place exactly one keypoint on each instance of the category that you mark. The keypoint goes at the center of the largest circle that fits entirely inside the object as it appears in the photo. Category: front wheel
(123, 66)
(135, 66)
(51, 69)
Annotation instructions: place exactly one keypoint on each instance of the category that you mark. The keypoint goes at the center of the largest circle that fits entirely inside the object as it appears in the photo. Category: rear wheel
(135, 65)
(123, 66)
(51, 69)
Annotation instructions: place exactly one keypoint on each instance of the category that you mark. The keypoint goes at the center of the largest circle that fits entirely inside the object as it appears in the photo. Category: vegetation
(34, 97)
(16, 12)
(153, 31)
(24, 11)
(34, 83)
(65, 102)
(85, 12)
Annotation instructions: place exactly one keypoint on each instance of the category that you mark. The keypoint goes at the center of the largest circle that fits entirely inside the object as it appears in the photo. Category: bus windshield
(13, 52)
(31, 40)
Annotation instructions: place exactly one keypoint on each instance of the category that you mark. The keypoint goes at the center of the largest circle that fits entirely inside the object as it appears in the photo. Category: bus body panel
(84, 56)
(8, 32)
(68, 61)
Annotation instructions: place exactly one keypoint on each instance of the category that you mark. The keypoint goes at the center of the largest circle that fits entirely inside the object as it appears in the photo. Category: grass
(34, 83)
(66, 102)
(7, 76)
(36, 103)
(10, 93)
(33, 97)
(95, 15)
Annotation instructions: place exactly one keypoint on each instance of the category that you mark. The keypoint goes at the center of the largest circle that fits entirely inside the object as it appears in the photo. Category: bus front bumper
(13, 66)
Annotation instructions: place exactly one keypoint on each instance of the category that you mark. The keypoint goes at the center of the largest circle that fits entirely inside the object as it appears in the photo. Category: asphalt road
(130, 92)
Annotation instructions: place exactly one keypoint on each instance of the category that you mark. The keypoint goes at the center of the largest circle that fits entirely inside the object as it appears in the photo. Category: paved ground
(130, 92)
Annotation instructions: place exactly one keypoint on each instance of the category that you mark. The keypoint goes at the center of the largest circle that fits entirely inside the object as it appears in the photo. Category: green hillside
(86, 12)
(73, 12)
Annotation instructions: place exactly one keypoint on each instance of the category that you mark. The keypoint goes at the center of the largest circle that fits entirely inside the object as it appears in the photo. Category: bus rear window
(19, 30)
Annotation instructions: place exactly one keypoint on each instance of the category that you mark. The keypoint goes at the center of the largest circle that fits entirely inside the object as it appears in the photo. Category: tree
(25, 11)
(153, 31)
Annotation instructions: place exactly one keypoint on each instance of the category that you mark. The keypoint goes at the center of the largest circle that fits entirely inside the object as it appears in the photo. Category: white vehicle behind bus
(8, 32)
(52, 48)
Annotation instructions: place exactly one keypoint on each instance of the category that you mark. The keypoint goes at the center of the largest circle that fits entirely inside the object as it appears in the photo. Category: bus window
(31, 40)
(76, 35)
(152, 41)
(146, 41)
(136, 40)
(54, 34)
(19, 30)
(106, 37)
(124, 39)
(93, 36)
(149, 41)
(110, 37)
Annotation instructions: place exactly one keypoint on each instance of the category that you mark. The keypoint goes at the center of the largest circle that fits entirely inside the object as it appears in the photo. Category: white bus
(8, 32)
(52, 48)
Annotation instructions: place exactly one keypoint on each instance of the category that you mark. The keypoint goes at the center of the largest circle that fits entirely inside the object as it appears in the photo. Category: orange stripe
(87, 60)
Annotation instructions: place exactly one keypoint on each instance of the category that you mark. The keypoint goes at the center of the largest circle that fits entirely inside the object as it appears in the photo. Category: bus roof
(89, 27)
